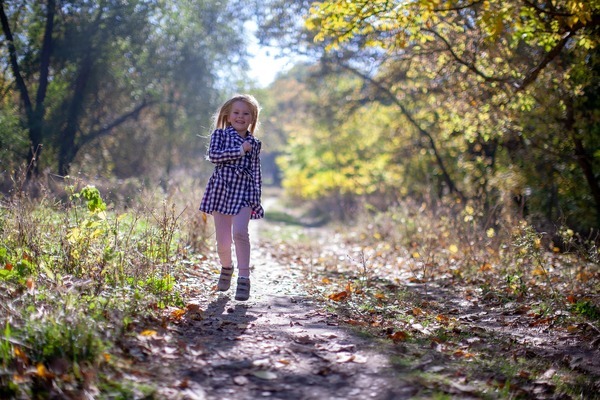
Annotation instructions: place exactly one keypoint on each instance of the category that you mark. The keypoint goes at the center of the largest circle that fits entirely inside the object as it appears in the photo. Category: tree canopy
(487, 101)
(112, 76)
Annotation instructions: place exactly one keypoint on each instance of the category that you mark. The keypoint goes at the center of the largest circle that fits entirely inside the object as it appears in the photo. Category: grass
(445, 285)
(79, 276)
(76, 275)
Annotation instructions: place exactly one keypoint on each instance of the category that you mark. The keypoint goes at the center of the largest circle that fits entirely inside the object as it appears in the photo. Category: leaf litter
(320, 325)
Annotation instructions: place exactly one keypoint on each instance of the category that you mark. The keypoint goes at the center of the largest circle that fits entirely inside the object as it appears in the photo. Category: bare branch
(458, 8)
(45, 56)
(469, 65)
(552, 12)
(16, 70)
(106, 129)
(551, 55)
(379, 86)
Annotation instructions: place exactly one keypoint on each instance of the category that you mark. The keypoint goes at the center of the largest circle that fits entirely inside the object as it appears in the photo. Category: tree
(507, 78)
(98, 67)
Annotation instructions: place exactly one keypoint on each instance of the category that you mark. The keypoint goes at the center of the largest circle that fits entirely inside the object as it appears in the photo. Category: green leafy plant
(6, 349)
(587, 309)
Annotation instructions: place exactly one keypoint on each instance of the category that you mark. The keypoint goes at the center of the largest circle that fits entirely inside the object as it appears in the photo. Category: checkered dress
(236, 181)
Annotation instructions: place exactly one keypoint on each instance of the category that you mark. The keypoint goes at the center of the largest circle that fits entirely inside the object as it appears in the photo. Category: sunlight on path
(280, 344)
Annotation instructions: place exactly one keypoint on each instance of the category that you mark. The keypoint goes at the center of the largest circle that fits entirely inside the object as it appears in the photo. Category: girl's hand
(247, 146)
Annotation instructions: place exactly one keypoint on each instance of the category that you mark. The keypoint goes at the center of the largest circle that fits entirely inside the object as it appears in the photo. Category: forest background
(490, 103)
(483, 111)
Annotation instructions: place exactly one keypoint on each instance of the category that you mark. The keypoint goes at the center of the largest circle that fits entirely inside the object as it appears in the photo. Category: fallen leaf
(541, 321)
(178, 313)
(463, 388)
(485, 267)
(399, 336)
(42, 372)
(417, 311)
(348, 287)
(261, 363)
(240, 380)
(355, 322)
(305, 339)
(8, 267)
(184, 384)
(266, 375)
(338, 296)
(336, 347)
(524, 374)
(463, 354)
(442, 318)
(326, 281)
(20, 355)
(193, 308)
(549, 374)
(360, 359)
(148, 332)
(584, 276)
(572, 328)
(344, 358)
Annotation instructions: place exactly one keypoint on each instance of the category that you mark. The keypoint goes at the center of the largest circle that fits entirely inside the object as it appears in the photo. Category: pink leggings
(223, 226)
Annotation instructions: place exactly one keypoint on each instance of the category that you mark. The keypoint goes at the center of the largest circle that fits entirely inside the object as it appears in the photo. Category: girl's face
(240, 117)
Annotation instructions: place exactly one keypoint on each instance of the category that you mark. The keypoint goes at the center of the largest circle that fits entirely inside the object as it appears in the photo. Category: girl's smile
(240, 117)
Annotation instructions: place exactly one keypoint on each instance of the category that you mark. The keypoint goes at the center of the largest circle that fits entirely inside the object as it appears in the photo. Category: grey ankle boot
(243, 289)
(225, 279)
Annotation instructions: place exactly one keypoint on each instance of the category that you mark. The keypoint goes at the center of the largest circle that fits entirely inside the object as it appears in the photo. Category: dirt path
(281, 344)
(277, 345)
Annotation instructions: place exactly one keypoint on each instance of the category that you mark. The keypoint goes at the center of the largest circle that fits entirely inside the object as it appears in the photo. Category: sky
(264, 63)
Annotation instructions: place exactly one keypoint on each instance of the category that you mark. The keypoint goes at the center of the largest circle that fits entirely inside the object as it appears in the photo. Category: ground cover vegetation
(79, 276)
(461, 310)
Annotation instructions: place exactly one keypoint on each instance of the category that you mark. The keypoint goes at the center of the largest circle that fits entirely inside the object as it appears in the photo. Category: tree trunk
(68, 146)
(438, 158)
(583, 158)
(35, 114)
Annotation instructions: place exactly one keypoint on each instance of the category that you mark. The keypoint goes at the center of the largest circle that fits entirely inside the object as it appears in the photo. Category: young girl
(233, 191)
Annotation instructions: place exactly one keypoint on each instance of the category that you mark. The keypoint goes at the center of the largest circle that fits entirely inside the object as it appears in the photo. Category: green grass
(74, 277)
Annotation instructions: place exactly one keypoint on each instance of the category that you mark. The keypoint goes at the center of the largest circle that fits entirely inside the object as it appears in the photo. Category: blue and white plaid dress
(236, 181)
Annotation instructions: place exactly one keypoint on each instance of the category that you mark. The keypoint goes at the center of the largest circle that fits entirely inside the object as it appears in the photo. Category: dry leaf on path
(240, 380)
(266, 375)
(344, 358)
(338, 296)
(399, 336)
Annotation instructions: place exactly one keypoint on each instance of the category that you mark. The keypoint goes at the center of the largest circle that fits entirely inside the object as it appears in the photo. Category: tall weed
(462, 241)
(77, 271)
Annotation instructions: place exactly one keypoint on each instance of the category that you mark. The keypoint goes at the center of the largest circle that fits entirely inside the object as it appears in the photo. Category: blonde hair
(220, 118)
